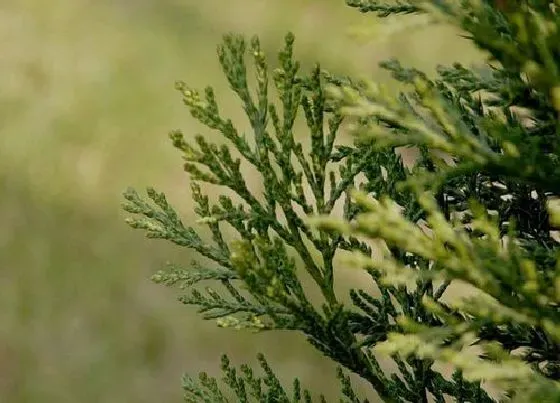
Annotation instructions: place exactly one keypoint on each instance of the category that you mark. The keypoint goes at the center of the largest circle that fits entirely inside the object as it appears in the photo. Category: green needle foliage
(478, 210)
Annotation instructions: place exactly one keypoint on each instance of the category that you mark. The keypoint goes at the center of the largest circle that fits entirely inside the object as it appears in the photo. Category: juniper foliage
(478, 209)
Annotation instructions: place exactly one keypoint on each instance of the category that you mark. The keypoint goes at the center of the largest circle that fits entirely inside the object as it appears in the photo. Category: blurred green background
(86, 101)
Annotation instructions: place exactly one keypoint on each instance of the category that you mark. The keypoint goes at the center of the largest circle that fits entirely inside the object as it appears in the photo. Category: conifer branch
(478, 208)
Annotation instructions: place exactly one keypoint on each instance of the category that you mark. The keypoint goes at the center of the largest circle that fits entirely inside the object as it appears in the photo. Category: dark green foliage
(244, 386)
(259, 271)
(485, 173)
(383, 9)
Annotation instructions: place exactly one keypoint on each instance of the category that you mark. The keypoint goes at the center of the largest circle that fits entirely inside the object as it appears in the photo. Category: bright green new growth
(478, 209)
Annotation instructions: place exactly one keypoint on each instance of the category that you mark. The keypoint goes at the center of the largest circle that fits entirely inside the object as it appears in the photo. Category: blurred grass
(86, 96)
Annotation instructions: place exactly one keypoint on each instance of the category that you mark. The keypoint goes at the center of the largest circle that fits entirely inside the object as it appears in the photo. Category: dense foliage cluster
(478, 210)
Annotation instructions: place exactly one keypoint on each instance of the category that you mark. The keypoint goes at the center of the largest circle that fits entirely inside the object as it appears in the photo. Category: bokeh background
(86, 101)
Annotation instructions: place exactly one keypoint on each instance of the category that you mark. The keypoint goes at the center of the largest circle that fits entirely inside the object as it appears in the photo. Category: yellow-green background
(86, 100)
